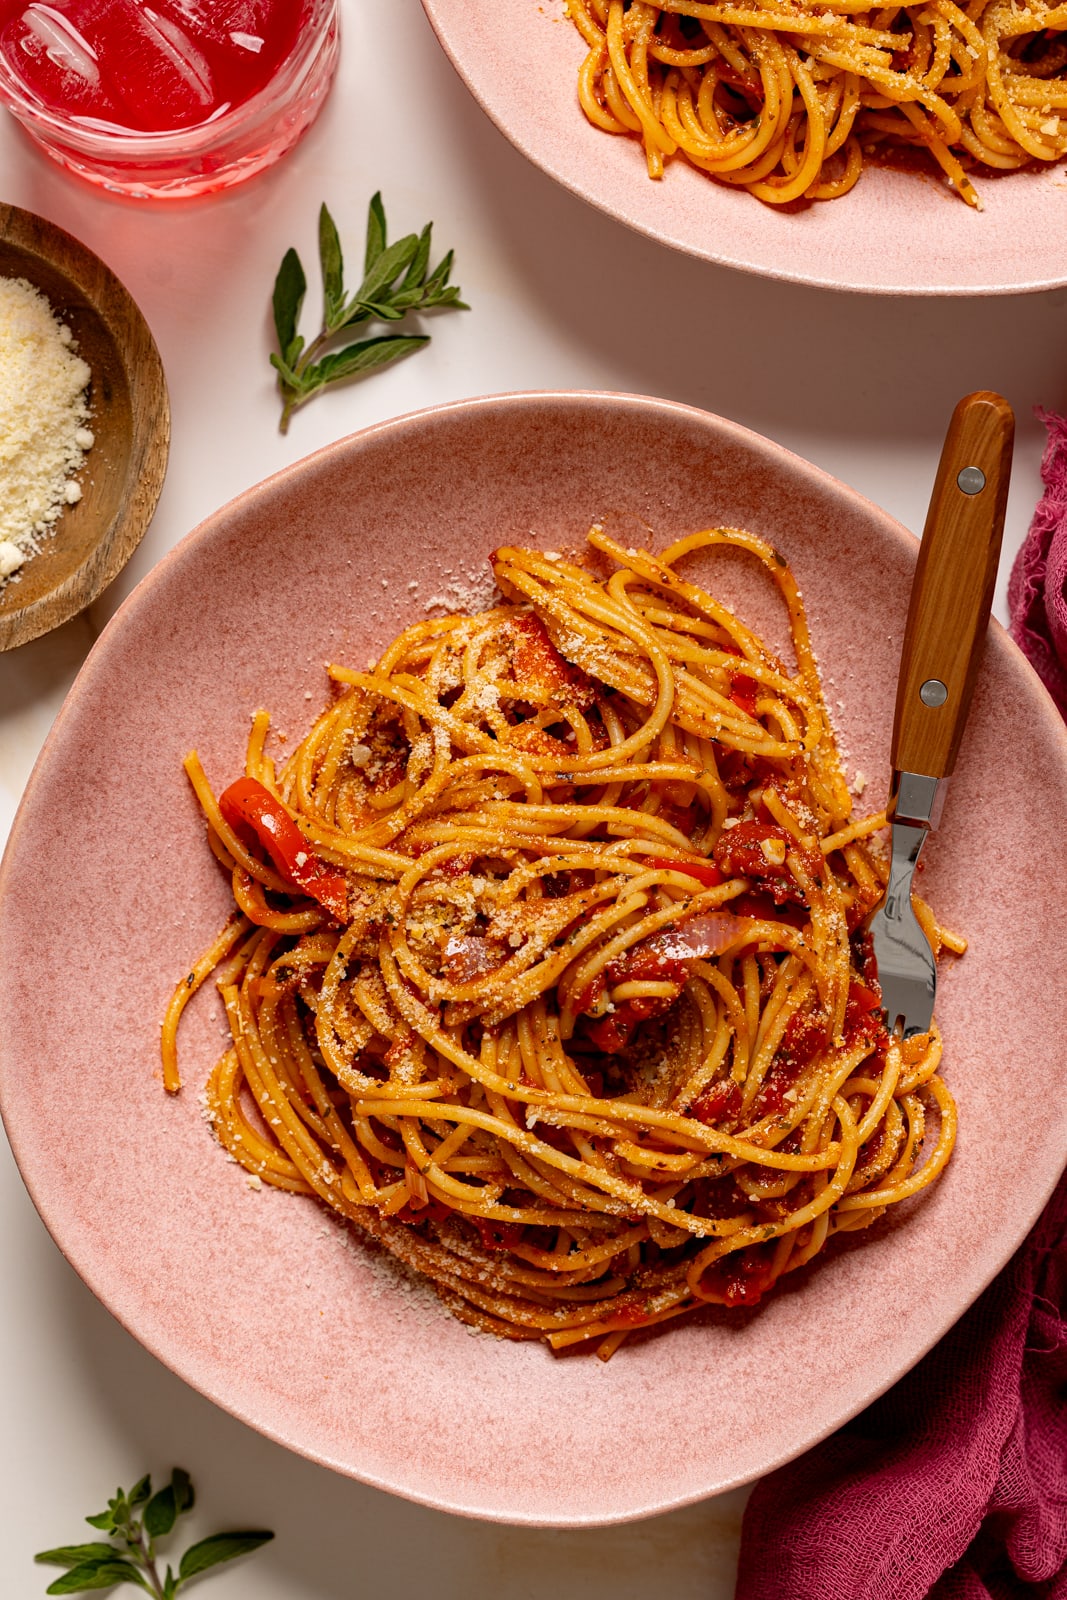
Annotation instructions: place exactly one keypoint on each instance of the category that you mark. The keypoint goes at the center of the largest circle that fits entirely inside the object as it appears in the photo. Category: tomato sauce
(720, 1102)
(744, 693)
(497, 1235)
(741, 1278)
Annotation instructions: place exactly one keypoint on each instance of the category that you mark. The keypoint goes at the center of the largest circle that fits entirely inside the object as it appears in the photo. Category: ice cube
(62, 43)
(154, 70)
(47, 50)
(241, 24)
(244, 40)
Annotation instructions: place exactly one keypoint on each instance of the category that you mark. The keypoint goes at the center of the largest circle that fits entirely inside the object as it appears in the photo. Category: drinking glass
(176, 98)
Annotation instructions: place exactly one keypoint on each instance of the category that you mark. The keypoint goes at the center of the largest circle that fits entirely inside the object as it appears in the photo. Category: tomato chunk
(747, 850)
(806, 1033)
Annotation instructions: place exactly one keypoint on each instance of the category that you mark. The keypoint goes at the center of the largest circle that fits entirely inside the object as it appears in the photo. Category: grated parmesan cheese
(43, 422)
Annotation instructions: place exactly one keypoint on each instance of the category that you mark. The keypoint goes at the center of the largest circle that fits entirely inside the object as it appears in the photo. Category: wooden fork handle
(952, 591)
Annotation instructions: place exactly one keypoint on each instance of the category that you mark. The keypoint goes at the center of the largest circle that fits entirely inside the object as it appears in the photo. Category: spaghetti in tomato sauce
(547, 967)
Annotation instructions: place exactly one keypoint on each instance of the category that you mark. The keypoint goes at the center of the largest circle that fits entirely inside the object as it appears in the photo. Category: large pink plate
(107, 889)
(896, 233)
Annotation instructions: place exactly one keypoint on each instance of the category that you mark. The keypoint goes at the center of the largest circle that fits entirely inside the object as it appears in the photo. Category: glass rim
(313, 31)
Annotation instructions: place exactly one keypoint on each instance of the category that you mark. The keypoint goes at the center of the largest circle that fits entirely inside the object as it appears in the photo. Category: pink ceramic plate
(896, 233)
(260, 1300)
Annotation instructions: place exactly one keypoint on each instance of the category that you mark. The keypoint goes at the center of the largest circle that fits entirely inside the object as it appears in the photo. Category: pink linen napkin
(1037, 592)
(953, 1486)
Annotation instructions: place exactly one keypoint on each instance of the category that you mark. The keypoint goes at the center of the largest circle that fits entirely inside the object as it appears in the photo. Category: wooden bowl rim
(150, 406)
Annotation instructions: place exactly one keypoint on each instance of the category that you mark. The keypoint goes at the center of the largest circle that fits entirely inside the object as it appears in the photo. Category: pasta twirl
(548, 968)
(789, 99)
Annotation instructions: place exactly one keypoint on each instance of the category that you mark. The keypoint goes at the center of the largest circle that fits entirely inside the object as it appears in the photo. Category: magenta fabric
(1037, 592)
(952, 1486)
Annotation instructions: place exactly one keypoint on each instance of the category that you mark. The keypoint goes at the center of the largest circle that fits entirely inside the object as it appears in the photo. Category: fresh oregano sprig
(397, 281)
(130, 1557)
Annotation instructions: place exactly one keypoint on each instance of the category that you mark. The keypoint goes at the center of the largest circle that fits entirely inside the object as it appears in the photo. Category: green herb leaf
(395, 284)
(366, 355)
(404, 300)
(439, 276)
(376, 234)
(416, 273)
(182, 1485)
(161, 1513)
(384, 310)
(446, 297)
(72, 1555)
(388, 267)
(101, 1575)
(290, 286)
(332, 264)
(220, 1547)
(115, 1517)
(101, 1566)
(290, 378)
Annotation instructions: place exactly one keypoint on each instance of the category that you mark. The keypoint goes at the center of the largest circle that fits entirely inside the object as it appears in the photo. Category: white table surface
(561, 298)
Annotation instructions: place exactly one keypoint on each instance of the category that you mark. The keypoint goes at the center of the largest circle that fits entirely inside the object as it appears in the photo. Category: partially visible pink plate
(107, 891)
(895, 233)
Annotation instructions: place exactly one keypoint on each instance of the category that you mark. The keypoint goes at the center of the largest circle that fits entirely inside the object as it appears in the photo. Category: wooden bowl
(129, 416)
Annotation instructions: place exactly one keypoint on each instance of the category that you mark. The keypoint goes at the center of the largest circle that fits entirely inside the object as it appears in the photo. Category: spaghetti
(548, 968)
(788, 99)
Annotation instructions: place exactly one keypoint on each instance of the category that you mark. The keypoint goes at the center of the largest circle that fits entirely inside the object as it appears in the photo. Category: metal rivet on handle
(933, 691)
(972, 481)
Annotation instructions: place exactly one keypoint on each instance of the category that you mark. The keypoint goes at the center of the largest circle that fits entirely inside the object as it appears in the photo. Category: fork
(948, 613)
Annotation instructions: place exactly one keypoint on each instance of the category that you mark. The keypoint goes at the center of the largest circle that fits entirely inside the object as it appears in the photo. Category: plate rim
(96, 661)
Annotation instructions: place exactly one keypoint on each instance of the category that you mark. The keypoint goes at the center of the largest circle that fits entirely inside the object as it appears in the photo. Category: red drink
(172, 97)
(173, 64)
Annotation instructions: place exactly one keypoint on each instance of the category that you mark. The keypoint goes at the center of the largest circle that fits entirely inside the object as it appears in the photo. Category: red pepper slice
(258, 818)
(705, 872)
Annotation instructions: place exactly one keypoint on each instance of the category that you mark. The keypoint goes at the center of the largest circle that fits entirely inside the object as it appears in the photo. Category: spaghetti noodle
(789, 99)
(548, 968)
